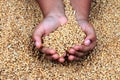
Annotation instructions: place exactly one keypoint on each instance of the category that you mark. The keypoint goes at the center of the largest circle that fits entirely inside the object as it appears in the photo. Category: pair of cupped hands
(76, 52)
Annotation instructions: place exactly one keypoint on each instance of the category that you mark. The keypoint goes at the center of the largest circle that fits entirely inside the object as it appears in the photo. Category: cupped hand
(78, 51)
(49, 24)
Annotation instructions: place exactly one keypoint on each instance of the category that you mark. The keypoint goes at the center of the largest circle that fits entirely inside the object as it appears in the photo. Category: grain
(66, 36)
(17, 61)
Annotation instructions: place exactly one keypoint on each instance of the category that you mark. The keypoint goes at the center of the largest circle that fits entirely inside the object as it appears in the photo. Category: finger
(87, 28)
(61, 60)
(72, 57)
(52, 57)
(55, 56)
(72, 51)
(81, 54)
(38, 42)
(77, 47)
(89, 43)
(37, 34)
(48, 51)
(85, 48)
(76, 58)
(90, 38)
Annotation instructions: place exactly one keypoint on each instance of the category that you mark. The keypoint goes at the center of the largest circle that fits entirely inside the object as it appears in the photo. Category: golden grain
(20, 61)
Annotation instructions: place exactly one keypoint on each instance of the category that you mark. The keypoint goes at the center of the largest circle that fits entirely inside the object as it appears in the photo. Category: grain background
(19, 60)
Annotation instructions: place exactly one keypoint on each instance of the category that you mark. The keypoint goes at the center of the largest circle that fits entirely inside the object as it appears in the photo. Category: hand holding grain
(49, 24)
(66, 36)
(89, 43)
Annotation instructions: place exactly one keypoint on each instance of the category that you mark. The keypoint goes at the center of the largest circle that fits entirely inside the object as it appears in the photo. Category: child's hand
(49, 24)
(89, 43)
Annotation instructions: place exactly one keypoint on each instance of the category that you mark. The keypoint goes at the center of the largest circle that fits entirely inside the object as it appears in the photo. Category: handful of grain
(65, 36)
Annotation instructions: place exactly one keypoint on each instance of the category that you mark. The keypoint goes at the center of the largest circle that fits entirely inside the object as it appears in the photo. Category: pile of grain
(65, 36)
(20, 61)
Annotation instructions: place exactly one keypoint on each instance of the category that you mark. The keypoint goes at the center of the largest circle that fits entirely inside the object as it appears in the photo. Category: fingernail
(37, 44)
(87, 42)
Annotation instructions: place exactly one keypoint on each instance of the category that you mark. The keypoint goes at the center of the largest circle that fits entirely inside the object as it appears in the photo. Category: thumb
(37, 37)
(38, 42)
